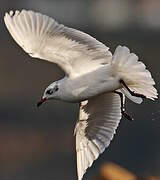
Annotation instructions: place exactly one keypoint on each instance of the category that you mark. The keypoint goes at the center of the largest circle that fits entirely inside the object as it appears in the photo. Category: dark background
(38, 144)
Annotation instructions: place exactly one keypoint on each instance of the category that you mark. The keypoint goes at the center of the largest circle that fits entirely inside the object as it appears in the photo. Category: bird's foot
(127, 116)
(138, 95)
(132, 92)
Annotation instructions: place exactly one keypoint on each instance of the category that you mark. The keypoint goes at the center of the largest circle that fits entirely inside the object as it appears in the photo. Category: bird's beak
(42, 100)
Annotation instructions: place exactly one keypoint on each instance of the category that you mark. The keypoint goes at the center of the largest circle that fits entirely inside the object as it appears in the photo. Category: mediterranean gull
(94, 78)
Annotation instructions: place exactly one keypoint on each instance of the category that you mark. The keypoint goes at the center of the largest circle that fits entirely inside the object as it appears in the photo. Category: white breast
(89, 85)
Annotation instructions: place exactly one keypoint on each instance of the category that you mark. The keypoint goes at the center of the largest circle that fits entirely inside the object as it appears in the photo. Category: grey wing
(98, 119)
(42, 37)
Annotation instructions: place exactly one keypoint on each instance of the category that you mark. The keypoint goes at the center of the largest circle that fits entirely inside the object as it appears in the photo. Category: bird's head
(51, 92)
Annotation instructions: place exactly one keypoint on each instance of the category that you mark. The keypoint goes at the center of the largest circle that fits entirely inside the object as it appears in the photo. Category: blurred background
(38, 144)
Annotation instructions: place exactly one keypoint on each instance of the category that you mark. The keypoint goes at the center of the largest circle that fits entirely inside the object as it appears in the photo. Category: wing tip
(6, 16)
(12, 13)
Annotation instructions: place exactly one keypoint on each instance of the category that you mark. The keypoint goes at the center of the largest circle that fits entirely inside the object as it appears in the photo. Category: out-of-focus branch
(111, 171)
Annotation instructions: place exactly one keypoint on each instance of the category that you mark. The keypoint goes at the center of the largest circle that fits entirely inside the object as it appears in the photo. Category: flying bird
(94, 78)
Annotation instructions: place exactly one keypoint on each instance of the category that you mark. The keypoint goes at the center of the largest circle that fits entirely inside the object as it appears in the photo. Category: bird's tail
(134, 73)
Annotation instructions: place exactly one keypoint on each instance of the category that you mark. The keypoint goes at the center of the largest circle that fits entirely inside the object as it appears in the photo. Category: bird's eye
(49, 91)
(56, 88)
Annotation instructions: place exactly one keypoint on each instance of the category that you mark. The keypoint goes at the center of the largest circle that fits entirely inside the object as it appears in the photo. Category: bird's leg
(132, 92)
(124, 113)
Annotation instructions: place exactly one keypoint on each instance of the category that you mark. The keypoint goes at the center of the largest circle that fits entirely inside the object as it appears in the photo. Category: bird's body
(96, 79)
(88, 85)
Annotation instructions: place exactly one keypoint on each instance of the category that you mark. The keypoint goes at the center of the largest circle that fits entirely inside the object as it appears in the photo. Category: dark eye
(49, 91)
(56, 88)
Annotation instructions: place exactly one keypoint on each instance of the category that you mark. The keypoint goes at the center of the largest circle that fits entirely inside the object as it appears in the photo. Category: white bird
(94, 78)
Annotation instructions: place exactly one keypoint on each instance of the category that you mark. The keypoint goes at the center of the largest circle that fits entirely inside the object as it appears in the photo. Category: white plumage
(42, 37)
(93, 76)
(98, 119)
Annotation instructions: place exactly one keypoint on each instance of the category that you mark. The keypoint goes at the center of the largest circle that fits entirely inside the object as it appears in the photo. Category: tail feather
(133, 73)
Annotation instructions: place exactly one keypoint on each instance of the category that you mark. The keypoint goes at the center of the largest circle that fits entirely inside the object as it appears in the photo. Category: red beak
(42, 100)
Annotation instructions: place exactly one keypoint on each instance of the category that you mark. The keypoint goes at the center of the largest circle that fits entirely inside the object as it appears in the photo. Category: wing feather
(42, 37)
(98, 119)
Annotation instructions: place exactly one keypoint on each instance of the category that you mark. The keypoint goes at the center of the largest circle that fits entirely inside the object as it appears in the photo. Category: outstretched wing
(98, 120)
(42, 37)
